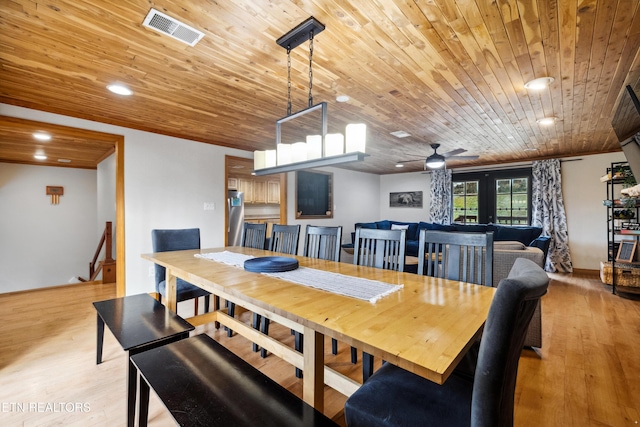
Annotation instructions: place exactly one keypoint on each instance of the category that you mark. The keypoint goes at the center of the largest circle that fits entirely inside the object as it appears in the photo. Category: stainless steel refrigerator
(235, 205)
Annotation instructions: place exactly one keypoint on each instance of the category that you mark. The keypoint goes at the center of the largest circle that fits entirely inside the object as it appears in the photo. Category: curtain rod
(506, 167)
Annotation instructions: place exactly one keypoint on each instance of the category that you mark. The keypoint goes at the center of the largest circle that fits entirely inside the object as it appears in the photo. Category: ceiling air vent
(172, 27)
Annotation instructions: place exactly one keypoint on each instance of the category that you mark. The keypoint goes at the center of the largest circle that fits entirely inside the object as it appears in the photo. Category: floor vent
(172, 27)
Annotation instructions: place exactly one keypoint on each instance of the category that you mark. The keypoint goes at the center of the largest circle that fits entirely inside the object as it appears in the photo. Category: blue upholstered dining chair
(396, 397)
(178, 240)
(381, 249)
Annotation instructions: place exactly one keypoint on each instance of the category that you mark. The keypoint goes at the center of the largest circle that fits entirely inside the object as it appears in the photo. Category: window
(501, 197)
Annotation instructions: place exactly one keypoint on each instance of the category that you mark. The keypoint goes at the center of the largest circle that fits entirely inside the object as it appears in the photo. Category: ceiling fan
(436, 160)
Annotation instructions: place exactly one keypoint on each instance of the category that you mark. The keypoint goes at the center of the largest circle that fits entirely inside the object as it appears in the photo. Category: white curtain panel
(548, 212)
(440, 196)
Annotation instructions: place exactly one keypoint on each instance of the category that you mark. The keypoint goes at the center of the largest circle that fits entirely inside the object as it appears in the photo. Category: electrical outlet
(151, 271)
(209, 206)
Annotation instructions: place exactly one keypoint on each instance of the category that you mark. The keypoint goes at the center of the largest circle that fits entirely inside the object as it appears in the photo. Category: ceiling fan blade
(454, 152)
(464, 158)
(414, 160)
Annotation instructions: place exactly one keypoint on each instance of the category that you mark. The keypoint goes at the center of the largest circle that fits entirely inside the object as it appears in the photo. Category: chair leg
(367, 366)
(264, 326)
(354, 355)
(207, 301)
(256, 325)
(195, 306)
(216, 307)
(299, 343)
(232, 312)
(100, 340)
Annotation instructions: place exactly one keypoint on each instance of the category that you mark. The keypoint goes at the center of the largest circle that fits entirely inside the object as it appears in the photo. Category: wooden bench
(139, 323)
(202, 383)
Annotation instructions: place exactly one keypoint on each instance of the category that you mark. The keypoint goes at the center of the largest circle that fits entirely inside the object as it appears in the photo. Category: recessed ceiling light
(342, 98)
(539, 83)
(546, 121)
(40, 157)
(398, 165)
(120, 89)
(400, 134)
(64, 160)
(42, 136)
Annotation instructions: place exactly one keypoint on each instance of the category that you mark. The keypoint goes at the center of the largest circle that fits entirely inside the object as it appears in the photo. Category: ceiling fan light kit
(317, 150)
(434, 161)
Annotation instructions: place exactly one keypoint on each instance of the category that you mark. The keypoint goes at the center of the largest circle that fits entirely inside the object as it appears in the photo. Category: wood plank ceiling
(445, 71)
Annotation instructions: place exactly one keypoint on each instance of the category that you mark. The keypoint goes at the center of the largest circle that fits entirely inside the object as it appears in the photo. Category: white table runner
(355, 287)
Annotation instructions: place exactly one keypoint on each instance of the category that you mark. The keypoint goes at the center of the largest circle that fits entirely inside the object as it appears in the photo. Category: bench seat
(202, 383)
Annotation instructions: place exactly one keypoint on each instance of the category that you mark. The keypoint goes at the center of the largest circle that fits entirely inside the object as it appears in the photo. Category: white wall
(356, 197)
(416, 181)
(42, 244)
(583, 194)
(167, 182)
(106, 192)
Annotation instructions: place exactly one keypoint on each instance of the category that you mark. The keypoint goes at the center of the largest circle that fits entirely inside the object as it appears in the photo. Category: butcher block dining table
(423, 324)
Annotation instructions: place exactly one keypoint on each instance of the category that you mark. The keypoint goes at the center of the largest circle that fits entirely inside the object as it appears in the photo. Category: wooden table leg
(100, 340)
(132, 380)
(172, 291)
(313, 379)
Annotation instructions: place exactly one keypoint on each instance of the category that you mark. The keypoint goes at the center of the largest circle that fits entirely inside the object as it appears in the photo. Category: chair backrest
(504, 333)
(380, 248)
(323, 242)
(284, 238)
(173, 240)
(467, 257)
(254, 235)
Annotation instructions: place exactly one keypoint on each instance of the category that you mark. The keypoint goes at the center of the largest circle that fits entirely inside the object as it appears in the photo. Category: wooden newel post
(109, 264)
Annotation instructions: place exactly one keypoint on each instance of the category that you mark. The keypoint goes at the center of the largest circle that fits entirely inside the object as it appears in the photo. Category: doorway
(265, 197)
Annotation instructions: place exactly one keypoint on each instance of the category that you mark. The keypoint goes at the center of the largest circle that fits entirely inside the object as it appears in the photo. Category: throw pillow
(399, 227)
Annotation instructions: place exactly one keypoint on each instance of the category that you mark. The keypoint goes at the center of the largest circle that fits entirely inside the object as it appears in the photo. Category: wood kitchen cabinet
(259, 191)
(273, 192)
(256, 191)
(246, 186)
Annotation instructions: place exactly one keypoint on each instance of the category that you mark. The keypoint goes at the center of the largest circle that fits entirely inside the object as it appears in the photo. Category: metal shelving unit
(619, 227)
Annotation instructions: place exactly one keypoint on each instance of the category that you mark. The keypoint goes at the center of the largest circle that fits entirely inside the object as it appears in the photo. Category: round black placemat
(270, 264)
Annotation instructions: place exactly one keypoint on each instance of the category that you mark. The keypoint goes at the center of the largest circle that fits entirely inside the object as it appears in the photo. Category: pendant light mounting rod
(301, 33)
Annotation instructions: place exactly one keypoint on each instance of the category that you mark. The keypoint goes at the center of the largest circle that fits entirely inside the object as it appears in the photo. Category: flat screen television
(626, 125)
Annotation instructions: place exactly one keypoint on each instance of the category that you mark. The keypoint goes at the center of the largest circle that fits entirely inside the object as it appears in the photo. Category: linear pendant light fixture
(313, 146)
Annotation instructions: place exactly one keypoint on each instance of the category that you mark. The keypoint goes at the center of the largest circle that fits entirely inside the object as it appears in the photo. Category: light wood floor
(586, 374)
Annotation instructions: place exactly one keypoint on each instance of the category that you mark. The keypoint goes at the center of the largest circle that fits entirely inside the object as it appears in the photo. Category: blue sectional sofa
(527, 235)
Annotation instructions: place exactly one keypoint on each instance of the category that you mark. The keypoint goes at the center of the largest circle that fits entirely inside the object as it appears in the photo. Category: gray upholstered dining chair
(467, 257)
(396, 397)
(381, 249)
(284, 239)
(178, 240)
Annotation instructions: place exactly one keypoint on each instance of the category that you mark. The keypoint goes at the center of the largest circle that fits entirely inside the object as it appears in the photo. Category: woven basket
(626, 275)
